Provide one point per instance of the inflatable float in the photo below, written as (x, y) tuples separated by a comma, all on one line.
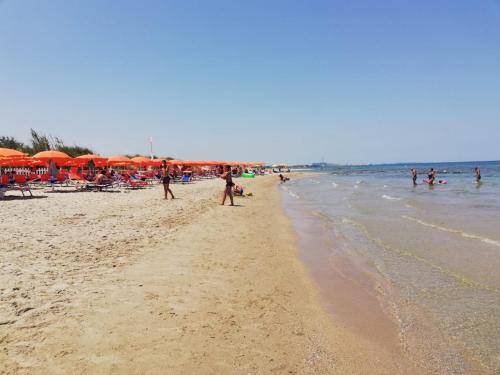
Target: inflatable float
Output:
[(439, 182), (248, 175)]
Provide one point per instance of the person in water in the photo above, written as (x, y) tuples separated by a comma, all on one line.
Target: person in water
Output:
[(431, 176), (228, 191), (165, 178), (477, 171), (414, 176)]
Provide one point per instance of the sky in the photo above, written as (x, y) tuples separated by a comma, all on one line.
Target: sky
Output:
[(263, 80)]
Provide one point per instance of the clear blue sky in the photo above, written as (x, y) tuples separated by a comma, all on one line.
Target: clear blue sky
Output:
[(350, 81)]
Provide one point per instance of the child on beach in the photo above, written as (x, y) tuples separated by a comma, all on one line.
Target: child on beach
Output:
[(238, 190), (228, 191)]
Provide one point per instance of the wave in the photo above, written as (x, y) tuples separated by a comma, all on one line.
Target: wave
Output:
[(334, 184), (406, 253), (388, 197), (455, 231)]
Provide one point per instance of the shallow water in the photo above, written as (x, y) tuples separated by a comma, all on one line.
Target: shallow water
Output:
[(436, 250)]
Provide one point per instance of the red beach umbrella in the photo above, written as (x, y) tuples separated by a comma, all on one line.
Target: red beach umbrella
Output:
[(175, 162), (19, 162)]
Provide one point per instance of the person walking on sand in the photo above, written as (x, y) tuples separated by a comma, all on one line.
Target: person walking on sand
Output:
[(414, 176), (477, 171), (228, 191), (165, 174)]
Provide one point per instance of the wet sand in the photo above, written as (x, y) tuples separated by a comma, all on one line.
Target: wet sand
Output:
[(130, 283), (350, 288)]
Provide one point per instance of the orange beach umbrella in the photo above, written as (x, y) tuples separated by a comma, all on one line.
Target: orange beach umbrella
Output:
[(55, 156), (120, 160), (95, 158), (141, 160), (98, 160), (11, 153)]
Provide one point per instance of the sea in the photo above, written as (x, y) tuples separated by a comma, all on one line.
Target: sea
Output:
[(422, 259)]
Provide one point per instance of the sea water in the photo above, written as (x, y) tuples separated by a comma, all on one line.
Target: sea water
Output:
[(435, 248)]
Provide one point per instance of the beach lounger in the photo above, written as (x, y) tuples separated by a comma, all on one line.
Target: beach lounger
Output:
[(91, 186), (20, 184)]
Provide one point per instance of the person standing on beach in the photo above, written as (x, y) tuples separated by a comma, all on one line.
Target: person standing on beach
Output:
[(228, 191), (414, 176), (165, 174), (477, 171)]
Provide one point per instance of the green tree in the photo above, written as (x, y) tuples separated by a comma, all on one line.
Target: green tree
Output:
[(11, 142), (39, 142)]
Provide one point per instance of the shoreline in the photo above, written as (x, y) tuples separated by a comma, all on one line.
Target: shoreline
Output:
[(350, 290)]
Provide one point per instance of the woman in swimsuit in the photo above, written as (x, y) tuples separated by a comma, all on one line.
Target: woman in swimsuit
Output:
[(478, 174), (431, 176), (229, 185), (165, 173)]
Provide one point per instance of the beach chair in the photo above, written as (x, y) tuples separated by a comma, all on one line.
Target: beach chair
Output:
[(3, 186), (186, 179), (21, 183), (34, 177), (129, 182), (45, 178)]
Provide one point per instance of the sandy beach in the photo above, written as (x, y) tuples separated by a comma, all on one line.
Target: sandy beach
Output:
[(126, 282)]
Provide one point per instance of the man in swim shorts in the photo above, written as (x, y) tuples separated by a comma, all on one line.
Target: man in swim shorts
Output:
[(414, 176), (165, 174), (228, 191)]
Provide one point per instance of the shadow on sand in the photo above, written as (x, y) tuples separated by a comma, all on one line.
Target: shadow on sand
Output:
[(20, 197)]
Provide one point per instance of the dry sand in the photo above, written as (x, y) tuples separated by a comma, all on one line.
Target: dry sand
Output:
[(129, 283)]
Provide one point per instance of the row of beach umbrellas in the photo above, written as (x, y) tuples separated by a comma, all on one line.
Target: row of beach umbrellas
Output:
[(14, 158)]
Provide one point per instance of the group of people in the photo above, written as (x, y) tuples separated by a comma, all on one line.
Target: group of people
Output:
[(431, 176), (225, 173)]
